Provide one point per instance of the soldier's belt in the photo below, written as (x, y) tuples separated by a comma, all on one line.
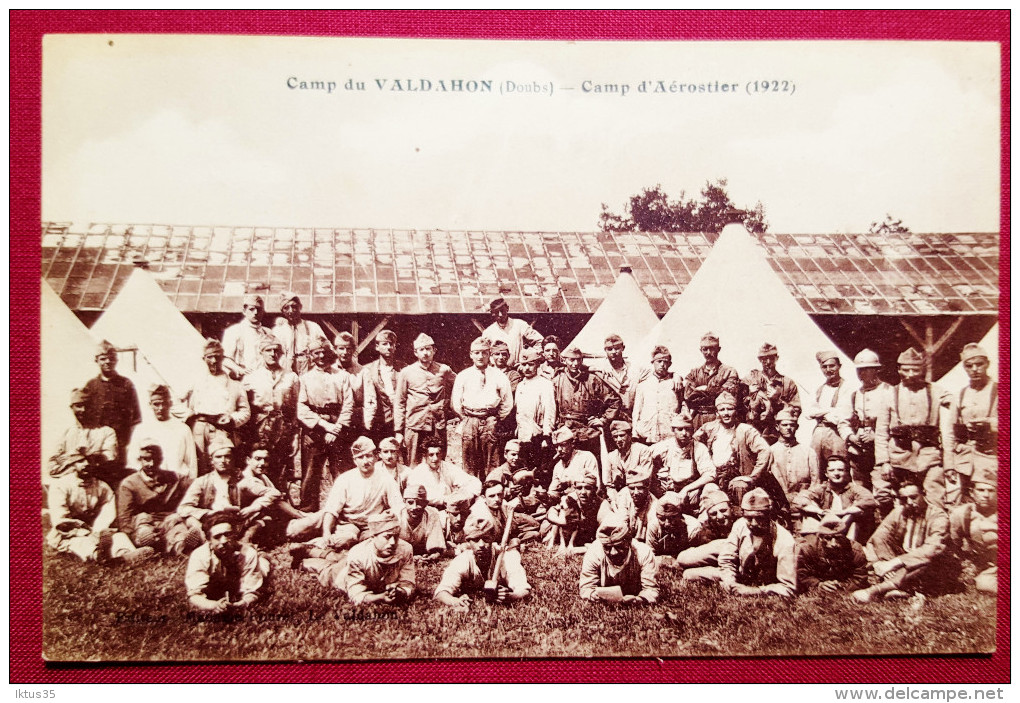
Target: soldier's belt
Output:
[(481, 414), (983, 439), (205, 417), (924, 435)]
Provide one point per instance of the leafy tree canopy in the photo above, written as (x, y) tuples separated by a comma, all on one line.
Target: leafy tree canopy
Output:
[(888, 226), (651, 210)]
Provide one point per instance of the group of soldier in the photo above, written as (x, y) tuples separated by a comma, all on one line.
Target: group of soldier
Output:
[(635, 465)]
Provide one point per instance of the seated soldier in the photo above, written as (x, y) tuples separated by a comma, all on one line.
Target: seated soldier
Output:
[(512, 461), (618, 568), (389, 461), (671, 531), (285, 521), (571, 464), (379, 569), (225, 574), (147, 503), (708, 537), (683, 465), (97, 444), (629, 456), (224, 486), (492, 505), (484, 565), (636, 503), (439, 477), (849, 501), (794, 465), (531, 496), (906, 548), (82, 511), (974, 528), (758, 557), (420, 525), (574, 518), (458, 505), (829, 561)]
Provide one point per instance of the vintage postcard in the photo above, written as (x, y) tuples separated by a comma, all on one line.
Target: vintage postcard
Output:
[(380, 349)]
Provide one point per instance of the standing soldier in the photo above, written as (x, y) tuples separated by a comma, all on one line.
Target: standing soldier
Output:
[(173, 436), (274, 398), (423, 401), (977, 417), (517, 333), (768, 392), (658, 399), (793, 464), (112, 402), (831, 410), (918, 438), (295, 335), (617, 372), (499, 357), (241, 341), (482, 397), (535, 400), (584, 402), (381, 386), (217, 406), (704, 383), (873, 400), (325, 408), (347, 365), (552, 363)]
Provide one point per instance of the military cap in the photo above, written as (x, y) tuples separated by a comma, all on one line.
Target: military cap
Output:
[(986, 474), (756, 501), (619, 425), (767, 350), (586, 480), (867, 359), (481, 344), (387, 336), (382, 522), (531, 355), (229, 515), (104, 347), (459, 500), (669, 504), (836, 457), (319, 343), (68, 462), (416, 491), (637, 477), (614, 528), (661, 352), (212, 346), (522, 476), (499, 345), (911, 356), (159, 389), (710, 338), (562, 435), (972, 351), (79, 395), (497, 304), (253, 299), (713, 498), (612, 339), (572, 353), (830, 525), (824, 356), (495, 476), (362, 445), (149, 443), (479, 527), (725, 398), (388, 443), (343, 339), (516, 443), (423, 340), (683, 419), (786, 415), (287, 296), (219, 445), (269, 342)]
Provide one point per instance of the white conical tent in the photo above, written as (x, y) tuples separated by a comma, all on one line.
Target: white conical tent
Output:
[(169, 347), (67, 361), (956, 377), (738, 296), (625, 311)]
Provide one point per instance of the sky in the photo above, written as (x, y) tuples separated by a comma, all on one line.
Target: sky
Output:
[(205, 131)]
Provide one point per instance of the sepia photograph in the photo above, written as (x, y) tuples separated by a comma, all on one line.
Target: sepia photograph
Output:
[(379, 349)]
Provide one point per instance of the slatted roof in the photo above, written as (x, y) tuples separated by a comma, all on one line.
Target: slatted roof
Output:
[(209, 269)]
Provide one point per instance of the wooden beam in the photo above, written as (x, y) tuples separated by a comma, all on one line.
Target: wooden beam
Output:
[(941, 342), (332, 330), (913, 333), (479, 325), (370, 337), (929, 343), (355, 330)]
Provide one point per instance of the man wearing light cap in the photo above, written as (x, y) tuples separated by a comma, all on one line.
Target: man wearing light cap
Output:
[(517, 334), (481, 397), (793, 464), (768, 392), (829, 561), (617, 567), (173, 436), (481, 564), (217, 406), (535, 403), (908, 547), (422, 406), (584, 402), (918, 438), (635, 502), (871, 402), (390, 462), (379, 569), (617, 372), (709, 536), (381, 386), (274, 393), (112, 402), (627, 457), (974, 529), (740, 455), (571, 464), (977, 417), (326, 411), (759, 555), (831, 409), (658, 398), (420, 524), (295, 334), (682, 465), (97, 444), (704, 383), (241, 341), (670, 532)]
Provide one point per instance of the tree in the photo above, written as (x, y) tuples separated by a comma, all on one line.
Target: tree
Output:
[(888, 226), (651, 210)]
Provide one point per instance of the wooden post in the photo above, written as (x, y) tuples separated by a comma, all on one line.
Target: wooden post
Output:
[(370, 337)]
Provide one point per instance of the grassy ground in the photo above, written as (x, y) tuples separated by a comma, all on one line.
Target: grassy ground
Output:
[(113, 613)]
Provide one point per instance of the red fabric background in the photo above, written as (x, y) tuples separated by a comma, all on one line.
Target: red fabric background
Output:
[(26, 33)]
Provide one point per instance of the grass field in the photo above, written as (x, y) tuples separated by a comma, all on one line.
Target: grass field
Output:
[(95, 613)]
